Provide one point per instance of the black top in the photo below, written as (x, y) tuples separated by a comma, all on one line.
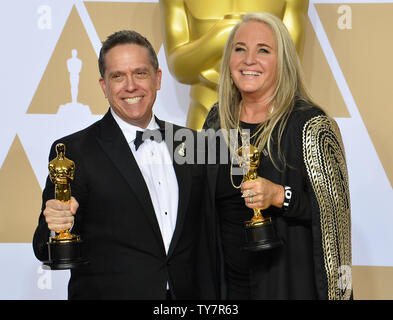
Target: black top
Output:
[(232, 214)]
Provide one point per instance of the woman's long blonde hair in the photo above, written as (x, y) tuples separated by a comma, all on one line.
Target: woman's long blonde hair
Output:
[(289, 85)]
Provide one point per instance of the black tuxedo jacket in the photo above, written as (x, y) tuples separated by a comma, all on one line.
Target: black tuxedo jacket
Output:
[(118, 225)]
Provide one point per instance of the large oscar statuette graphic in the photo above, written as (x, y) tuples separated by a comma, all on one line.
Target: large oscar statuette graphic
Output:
[(260, 231), (64, 248), (195, 36)]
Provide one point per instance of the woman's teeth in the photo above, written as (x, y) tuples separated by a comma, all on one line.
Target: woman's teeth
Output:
[(250, 73)]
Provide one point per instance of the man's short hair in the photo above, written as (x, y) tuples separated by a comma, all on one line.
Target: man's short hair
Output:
[(125, 37)]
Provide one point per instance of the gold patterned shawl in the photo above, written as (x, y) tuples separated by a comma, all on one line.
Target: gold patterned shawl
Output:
[(324, 158)]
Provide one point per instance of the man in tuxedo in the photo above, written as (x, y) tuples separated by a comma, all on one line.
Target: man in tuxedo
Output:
[(137, 210)]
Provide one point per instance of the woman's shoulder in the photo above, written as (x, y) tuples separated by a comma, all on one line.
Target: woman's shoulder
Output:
[(305, 110), (302, 113), (307, 117), (212, 119)]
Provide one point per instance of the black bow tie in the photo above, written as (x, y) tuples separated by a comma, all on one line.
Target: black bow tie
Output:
[(156, 135)]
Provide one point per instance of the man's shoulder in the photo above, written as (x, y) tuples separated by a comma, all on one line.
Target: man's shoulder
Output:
[(78, 139), (176, 128), (80, 135)]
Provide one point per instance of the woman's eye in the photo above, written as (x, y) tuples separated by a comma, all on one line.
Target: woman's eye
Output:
[(237, 49)]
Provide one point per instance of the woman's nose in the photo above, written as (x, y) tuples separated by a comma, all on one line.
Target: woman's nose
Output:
[(249, 58)]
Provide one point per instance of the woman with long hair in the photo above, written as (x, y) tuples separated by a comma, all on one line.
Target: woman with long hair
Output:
[(302, 182)]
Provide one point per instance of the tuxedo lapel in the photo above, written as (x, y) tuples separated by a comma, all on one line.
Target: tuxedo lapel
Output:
[(184, 180), (117, 149)]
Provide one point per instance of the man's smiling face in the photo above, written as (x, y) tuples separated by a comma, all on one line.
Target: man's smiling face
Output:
[(130, 83)]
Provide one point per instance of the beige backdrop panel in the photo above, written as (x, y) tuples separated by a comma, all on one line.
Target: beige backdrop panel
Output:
[(319, 78), (128, 16), (20, 196), (54, 88), (365, 56), (372, 283)]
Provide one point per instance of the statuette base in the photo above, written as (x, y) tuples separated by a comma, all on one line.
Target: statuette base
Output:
[(261, 236), (65, 254)]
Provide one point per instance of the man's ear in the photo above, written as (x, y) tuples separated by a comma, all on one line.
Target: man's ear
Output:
[(103, 86), (159, 76)]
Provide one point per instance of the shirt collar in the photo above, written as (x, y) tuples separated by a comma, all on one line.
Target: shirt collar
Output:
[(129, 130)]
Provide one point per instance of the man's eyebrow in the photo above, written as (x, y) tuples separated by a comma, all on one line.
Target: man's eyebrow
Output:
[(115, 71), (145, 69), (138, 69)]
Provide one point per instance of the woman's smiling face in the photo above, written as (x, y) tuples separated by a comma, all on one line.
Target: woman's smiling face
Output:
[(253, 61)]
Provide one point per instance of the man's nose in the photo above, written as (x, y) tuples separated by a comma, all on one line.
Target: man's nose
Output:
[(130, 83)]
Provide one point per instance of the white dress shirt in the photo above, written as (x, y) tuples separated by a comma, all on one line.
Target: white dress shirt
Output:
[(156, 165)]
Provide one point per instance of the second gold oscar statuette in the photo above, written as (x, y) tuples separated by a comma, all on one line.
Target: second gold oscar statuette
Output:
[(260, 231)]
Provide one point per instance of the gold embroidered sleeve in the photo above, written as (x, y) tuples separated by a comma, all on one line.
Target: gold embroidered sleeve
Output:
[(324, 158)]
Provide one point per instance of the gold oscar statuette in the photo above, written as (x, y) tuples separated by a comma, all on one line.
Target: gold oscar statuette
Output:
[(64, 248), (260, 230)]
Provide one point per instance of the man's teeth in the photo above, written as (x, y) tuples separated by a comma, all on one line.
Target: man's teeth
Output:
[(133, 100), (250, 73)]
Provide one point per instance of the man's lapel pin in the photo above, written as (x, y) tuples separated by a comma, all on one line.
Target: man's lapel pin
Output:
[(182, 150)]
